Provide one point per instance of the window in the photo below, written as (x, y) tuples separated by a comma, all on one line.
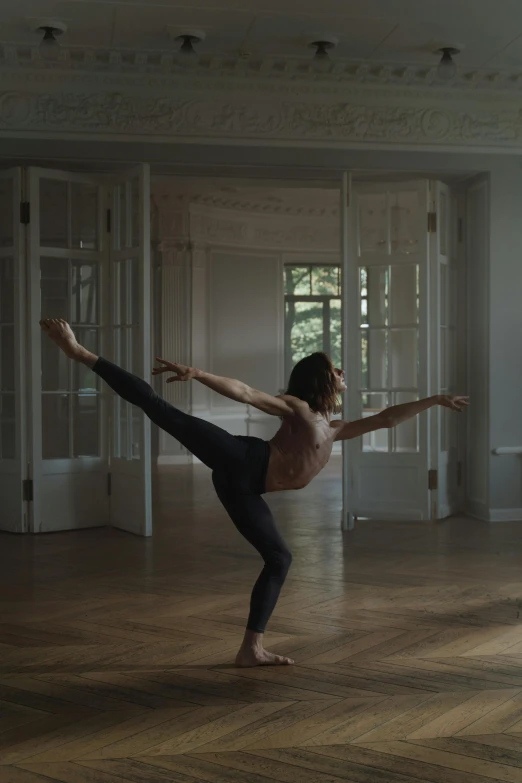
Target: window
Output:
[(389, 349), (312, 312)]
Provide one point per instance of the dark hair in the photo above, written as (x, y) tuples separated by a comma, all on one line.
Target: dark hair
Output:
[(313, 380)]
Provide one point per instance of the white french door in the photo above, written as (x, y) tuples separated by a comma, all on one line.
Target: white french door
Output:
[(13, 461), (130, 334), (387, 319), (69, 453), (443, 295)]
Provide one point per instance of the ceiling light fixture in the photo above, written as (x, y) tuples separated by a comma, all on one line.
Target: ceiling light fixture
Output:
[(447, 68), (321, 60), (49, 47), (186, 51)]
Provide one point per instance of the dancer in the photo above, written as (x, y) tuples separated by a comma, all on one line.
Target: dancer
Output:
[(244, 468)]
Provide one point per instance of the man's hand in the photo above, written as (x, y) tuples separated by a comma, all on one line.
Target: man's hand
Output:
[(453, 403), (183, 373)]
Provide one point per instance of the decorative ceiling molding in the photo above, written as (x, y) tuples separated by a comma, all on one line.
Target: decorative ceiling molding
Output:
[(53, 104), (77, 60), (185, 223), (218, 228), (173, 198)]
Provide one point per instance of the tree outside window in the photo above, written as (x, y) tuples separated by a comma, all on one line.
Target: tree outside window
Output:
[(312, 312)]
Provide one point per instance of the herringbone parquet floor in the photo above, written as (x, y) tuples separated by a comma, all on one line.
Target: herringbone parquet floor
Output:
[(115, 652)]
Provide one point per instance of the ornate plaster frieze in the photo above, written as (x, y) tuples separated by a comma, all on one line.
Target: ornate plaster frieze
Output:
[(218, 228), (80, 105)]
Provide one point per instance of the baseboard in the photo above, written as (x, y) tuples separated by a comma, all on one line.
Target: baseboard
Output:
[(478, 510), (505, 515)]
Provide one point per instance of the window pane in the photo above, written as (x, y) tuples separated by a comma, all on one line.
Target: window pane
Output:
[(373, 222), (377, 295), (136, 433), (377, 359), (7, 293), (83, 378), (406, 435), (336, 333), (444, 295), (55, 366), (55, 426), (297, 280), (325, 280), (364, 359), (84, 300), (54, 285), (404, 295), (135, 212), (443, 217), (86, 425), (124, 419), (134, 291), (304, 320), (6, 212), (7, 358), (404, 358), (404, 222), (84, 216), (371, 404), (53, 213), (7, 426), (122, 232)]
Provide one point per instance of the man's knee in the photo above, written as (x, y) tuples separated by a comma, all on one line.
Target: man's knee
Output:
[(279, 563)]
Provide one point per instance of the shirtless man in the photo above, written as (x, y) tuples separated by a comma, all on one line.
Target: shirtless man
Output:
[(244, 468)]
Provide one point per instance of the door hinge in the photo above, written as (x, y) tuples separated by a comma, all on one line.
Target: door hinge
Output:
[(25, 212), (460, 230), (432, 222), (109, 221), (27, 490), (109, 484), (459, 474), (433, 480)]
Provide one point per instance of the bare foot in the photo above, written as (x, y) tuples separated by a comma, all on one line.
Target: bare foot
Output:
[(61, 333), (258, 656)]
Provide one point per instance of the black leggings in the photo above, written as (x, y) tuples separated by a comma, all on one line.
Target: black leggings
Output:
[(238, 467)]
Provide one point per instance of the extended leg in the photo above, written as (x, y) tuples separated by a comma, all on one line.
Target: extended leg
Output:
[(254, 520), (215, 447)]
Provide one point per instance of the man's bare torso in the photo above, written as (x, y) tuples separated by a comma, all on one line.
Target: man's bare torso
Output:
[(300, 449)]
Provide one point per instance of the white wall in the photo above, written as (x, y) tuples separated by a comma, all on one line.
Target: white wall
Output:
[(478, 449), (245, 332), (505, 339)]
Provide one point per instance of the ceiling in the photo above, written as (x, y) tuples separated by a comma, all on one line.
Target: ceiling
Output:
[(400, 32)]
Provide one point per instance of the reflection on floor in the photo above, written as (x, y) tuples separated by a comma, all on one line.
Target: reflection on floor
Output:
[(115, 651)]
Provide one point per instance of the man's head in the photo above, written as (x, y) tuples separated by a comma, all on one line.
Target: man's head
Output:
[(316, 381)]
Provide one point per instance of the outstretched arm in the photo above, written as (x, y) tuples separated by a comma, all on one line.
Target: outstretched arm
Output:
[(396, 414), (228, 387)]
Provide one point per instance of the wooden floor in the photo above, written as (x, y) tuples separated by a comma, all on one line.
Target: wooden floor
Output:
[(115, 652)]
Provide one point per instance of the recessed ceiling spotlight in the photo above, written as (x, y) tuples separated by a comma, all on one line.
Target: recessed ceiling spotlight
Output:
[(49, 47), (447, 68), (321, 60)]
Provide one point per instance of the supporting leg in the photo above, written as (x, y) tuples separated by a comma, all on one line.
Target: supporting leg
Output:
[(254, 520)]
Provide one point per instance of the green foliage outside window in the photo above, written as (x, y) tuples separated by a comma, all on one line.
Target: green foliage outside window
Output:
[(313, 325)]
